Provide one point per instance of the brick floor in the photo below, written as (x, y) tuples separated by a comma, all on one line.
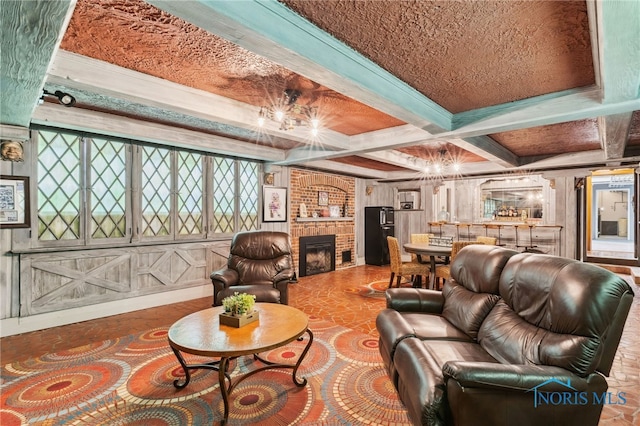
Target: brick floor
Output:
[(333, 296)]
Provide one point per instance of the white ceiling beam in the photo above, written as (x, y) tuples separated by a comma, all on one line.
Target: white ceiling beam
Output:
[(560, 107), (543, 110), (79, 72), (618, 35), (400, 159), (614, 130), (488, 148), (122, 127), (347, 169)]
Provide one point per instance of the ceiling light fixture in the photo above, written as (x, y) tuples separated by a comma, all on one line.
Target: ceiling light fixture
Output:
[(290, 114), (444, 164), (64, 98)]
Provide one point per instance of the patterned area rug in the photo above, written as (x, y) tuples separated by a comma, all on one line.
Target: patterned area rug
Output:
[(129, 381), (375, 289)]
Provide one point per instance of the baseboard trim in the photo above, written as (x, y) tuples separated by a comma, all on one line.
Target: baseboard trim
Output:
[(13, 326)]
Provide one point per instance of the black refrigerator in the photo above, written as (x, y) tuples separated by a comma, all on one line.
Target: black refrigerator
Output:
[(378, 225)]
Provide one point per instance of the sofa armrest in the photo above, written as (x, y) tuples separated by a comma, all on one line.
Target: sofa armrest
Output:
[(286, 275), (486, 393), (415, 300), (523, 378), (225, 277)]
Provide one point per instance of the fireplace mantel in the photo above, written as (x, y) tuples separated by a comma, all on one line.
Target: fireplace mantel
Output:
[(323, 219)]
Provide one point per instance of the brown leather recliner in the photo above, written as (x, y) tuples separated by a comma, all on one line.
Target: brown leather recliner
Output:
[(513, 339), (259, 263)]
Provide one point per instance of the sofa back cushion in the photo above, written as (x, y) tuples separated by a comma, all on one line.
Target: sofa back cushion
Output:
[(472, 292), (556, 311), (478, 267), (260, 256)]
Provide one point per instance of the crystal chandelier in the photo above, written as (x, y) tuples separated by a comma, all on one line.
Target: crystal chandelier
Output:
[(289, 114), (443, 164)]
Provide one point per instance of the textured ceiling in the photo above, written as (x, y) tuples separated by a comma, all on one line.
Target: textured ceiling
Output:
[(575, 136), (138, 36), (457, 64), (476, 56)]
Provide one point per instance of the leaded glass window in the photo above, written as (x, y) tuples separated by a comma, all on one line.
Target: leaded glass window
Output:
[(92, 189), (248, 197), (224, 192), (190, 193), (156, 192), (59, 186), (108, 189)]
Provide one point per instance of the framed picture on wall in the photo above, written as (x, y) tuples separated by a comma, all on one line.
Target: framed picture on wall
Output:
[(274, 202), (323, 198), (14, 202)]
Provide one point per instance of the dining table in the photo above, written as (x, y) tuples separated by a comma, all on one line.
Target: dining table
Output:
[(422, 250)]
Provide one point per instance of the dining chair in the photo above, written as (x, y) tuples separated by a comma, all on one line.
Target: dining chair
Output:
[(419, 238), (490, 241), (400, 268), (443, 272)]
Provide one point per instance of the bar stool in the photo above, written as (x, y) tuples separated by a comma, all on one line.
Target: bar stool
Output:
[(439, 224), (530, 248), (468, 225), (488, 226)]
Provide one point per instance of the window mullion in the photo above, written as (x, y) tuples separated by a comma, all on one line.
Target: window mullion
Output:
[(174, 195), (136, 195), (208, 196), (85, 189)]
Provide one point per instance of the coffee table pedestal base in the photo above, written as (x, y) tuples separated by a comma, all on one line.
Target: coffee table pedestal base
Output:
[(224, 376)]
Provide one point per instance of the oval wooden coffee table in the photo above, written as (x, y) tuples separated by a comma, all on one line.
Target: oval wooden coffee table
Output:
[(202, 334)]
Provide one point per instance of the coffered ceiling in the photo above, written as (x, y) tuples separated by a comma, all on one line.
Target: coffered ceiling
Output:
[(499, 85)]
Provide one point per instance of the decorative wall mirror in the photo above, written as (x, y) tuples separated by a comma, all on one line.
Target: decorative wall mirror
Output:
[(512, 200)]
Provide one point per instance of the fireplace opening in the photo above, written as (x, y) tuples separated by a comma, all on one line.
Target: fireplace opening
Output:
[(317, 254)]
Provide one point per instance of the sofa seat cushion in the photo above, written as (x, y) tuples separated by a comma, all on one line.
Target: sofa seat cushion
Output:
[(430, 327), (420, 381), (394, 326)]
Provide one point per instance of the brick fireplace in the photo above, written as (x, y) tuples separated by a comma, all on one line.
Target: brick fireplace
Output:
[(304, 188), (317, 255)]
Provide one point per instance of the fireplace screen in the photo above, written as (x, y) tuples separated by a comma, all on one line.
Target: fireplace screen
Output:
[(317, 254)]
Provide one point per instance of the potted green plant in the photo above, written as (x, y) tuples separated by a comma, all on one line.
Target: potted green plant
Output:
[(238, 309), (239, 303)]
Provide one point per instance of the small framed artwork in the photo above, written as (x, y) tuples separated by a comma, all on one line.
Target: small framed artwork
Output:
[(14, 202), (323, 198), (334, 211), (275, 204)]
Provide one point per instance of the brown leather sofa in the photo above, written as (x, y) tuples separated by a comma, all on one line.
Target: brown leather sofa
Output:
[(513, 339), (259, 263)]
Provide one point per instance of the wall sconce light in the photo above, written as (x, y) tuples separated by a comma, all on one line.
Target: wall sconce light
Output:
[(368, 190), (63, 97)]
